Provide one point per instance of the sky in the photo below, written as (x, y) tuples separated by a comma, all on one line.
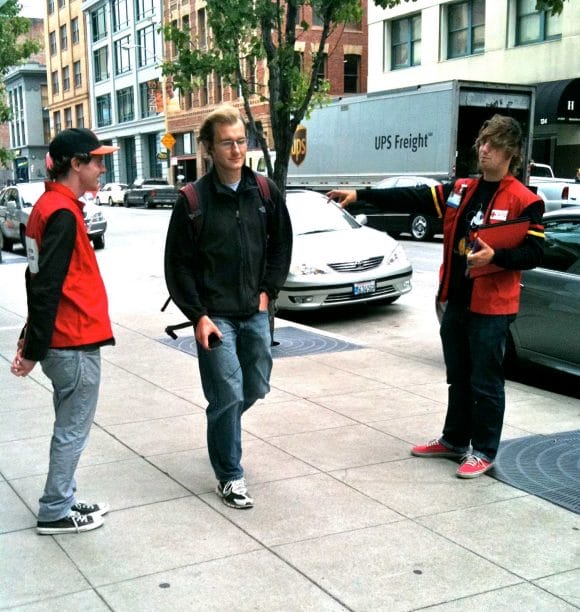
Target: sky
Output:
[(32, 8)]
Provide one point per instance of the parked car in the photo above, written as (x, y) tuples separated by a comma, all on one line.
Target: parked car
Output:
[(420, 226), (547, 327), (555, 192), (150, 193), (111, 194), (16, 202), (336, 260)]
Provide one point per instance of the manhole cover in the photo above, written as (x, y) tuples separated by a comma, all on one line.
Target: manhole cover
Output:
[(292, 342), (545, 465)]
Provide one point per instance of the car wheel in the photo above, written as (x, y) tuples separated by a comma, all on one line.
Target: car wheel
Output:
[(126, 202), (23, 237), (98, 201), (8, 243), (99, 242), (420, 227), (149, 202), (111, 203)]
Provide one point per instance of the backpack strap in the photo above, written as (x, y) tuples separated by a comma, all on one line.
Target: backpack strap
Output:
[(191, 194), (263, 186)]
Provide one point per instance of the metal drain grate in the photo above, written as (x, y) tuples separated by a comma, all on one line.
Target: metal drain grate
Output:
[(547, 466), (292, 342)]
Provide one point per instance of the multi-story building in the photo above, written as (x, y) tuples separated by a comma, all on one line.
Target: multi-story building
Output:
[(503, 41), (345, 66), (28, 130), (124, 52), (66, 65)]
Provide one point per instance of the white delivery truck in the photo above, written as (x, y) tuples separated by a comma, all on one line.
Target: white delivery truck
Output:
[(427, 130)]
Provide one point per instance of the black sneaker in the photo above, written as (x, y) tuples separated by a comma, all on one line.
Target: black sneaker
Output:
[(84, 508), (73, 523), (235, 494)]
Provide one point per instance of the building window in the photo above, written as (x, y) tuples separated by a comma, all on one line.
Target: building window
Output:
[(74, 28), (46, 130), (120, 15), (323, 69), (317, 20), (151, 98), (351, 73), (61, 4), (204, 93), (63, 38), (103, 110), (535, 26), (99, 23), (218, 94), (122, 55), (125, 106), (50, 6), (66, 78), (52, 43), (55, 83), (405, 42), (100, 64), (56, 122), (78, 75), (147, 53), (144, 8), (466, 28), (202, 28), (68, 118), (80, 115)]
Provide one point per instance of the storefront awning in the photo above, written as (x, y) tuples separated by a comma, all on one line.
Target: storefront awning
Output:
[(558, 102)]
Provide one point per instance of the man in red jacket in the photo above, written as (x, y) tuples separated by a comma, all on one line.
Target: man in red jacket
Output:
[(67, 321), (481, 299)]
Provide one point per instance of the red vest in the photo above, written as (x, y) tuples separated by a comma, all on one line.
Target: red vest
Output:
[(82, 317), (498, 293)]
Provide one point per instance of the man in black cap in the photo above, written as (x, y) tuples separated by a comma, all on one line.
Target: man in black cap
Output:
[(67, 321)]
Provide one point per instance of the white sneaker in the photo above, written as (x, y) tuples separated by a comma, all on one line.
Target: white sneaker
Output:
[(235, 494)]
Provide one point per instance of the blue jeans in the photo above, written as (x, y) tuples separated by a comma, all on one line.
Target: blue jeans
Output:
[(75, 377), (474, 348), (234, 376)]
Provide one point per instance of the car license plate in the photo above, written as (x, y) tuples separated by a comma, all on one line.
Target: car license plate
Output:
[(365, 287)]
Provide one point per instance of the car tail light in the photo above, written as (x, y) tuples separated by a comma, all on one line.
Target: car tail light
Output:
[(153, 193), (565, 193)]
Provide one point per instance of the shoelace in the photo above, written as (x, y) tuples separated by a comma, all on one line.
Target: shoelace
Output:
[(473, 461), (239, 486), (86, 507), (78, 518)]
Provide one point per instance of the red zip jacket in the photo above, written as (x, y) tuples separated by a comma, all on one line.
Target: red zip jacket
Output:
[(81, 318), (497, 293)]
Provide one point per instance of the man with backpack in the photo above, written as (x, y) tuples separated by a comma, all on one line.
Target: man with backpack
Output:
[(227, 254)]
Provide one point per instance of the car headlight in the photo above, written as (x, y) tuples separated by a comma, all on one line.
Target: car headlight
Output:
[(96, 217), (305, 269), (397, 256)]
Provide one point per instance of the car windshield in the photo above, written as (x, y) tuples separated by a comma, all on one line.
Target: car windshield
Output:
[(312, 213), (30, 192)]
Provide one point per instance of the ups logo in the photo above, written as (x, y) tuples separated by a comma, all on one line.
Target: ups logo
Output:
[(298, 152)]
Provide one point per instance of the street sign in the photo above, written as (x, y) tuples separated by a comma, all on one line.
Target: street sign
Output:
[(168, 141)]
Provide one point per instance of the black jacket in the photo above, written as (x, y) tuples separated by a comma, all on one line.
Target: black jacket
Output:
[(243, 247)]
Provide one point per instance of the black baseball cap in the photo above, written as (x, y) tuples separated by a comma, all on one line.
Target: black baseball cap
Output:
[(77, 141)]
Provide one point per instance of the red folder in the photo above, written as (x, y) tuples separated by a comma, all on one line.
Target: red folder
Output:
[(506, 235)]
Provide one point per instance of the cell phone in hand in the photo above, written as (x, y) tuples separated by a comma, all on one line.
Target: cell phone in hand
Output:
[(214, 341)]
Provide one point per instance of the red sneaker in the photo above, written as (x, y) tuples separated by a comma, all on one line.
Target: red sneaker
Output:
[(435, 449), (473, 466)]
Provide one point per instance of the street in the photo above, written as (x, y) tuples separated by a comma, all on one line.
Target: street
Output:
[(132, 266)]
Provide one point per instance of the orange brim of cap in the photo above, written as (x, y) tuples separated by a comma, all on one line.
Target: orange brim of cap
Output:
[(104, 150)]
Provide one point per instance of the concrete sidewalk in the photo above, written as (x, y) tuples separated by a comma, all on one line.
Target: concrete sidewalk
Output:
[(345, 518)]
